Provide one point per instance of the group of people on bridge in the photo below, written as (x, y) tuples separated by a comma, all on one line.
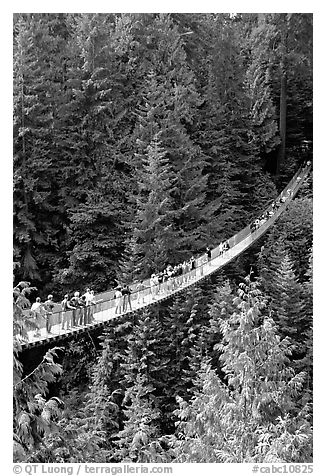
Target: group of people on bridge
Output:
[(276, 204), (78, 310), (165, 281), (81, 307)]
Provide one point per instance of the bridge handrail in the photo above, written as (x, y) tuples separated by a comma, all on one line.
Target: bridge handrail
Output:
[(107, 299)]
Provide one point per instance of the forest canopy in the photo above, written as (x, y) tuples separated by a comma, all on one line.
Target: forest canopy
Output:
[(140, 140), (130, 127)]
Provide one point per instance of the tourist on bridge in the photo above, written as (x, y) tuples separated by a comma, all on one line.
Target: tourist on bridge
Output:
[(165, 281), (38, 312), (119, 300), (82, 311), (153, 283), (140, 288), (184, 270), (66, 312), (160, 281), (263, 219), (203, 261), (126, 293), (88, 301), (75, 313), (93, 303), (252, 227), (169, 272), (192, 267), (208, 255), (48, 307)]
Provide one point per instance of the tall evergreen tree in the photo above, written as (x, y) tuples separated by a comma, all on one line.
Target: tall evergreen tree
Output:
[(170, 103), (39, 52), (141, 427), (152, 236), (229, 422), (95, 204)]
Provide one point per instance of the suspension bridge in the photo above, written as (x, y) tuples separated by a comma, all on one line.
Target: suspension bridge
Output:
[(106, 308)]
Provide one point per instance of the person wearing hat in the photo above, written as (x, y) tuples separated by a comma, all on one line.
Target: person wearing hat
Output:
[(66, 314), (48, 307)]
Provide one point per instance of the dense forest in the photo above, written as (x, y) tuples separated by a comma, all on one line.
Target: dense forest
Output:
[(139, 140)]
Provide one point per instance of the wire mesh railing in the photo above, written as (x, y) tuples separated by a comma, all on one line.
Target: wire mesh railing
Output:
[(106, 306)]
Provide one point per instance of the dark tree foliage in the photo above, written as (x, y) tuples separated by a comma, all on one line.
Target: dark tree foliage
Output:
[(231, 420), (140, 139), (35, 415), (90, 93)]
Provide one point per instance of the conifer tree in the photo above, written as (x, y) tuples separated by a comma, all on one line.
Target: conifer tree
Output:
[(170, 102), (229, 421), (152, 236), (293, 233), (95, 231), (183, 344), (35, 417), (39, 51), (236, 186), (141, 426), (221, 308), (287, 303)]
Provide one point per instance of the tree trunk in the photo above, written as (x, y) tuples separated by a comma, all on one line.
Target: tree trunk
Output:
[(282, 124), (283, 98)]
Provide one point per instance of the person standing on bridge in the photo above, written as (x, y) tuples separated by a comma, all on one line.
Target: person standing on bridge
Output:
[(37, 313), (93, 303), (75, 313), (152, 283), (226, 246), (128, 297), (88, 300), (48, 307), (209, 255), (82, 311), (140, 288), (192, 267), (66, 312), (126, 293), (119, 300)]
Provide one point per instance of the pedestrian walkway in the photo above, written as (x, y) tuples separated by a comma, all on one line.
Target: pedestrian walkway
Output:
[(104, 311)]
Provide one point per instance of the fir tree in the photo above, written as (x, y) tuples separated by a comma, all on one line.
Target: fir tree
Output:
[(287, 302), (141, 426), (35, 417), (227, 422), (152, 236)]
